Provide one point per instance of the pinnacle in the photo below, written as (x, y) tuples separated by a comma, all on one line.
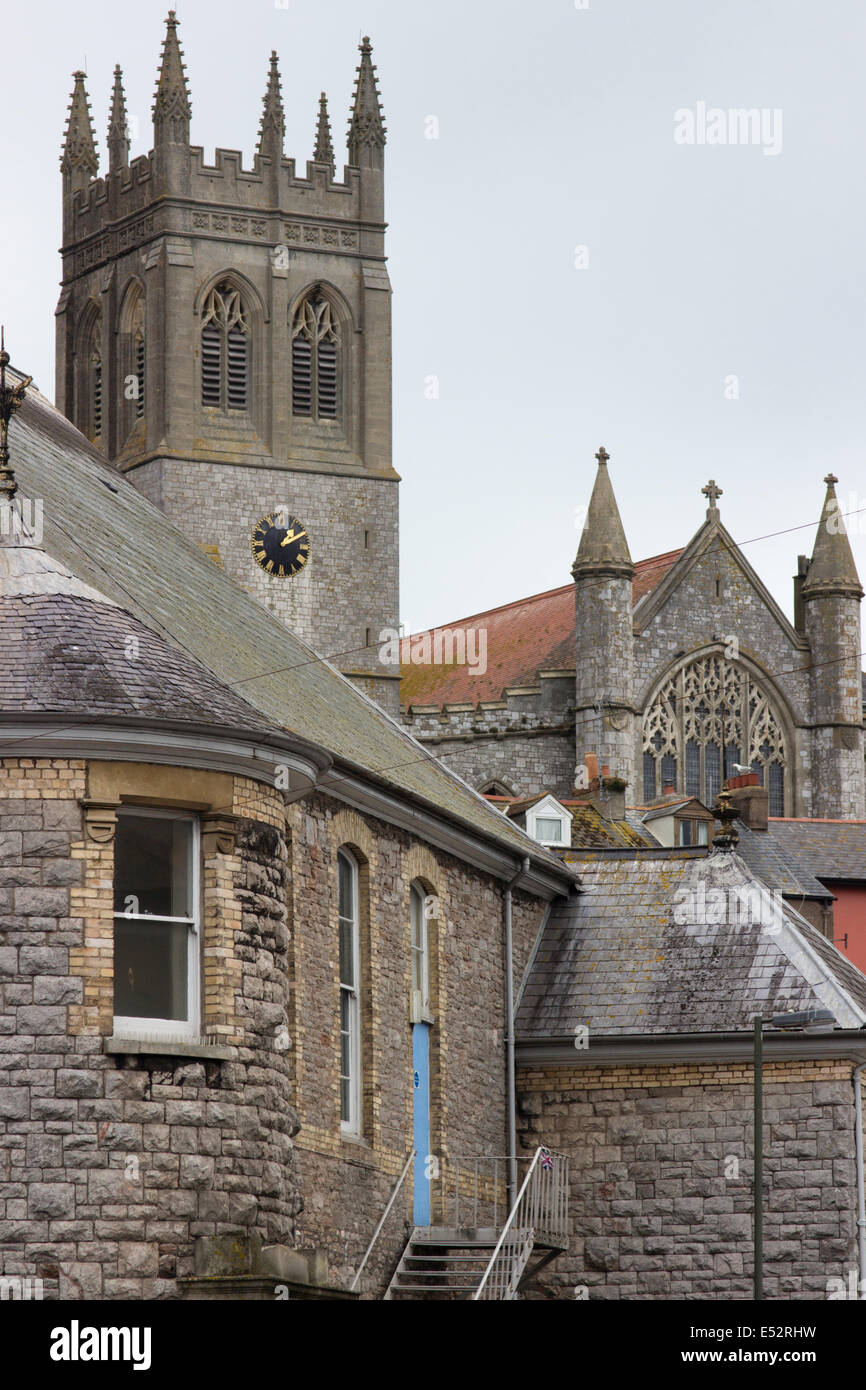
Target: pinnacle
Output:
[(832, 568), (603, 545), (118, 127), (272, 126), (79, 145), (366, 127), (171, 100), (324, 149)]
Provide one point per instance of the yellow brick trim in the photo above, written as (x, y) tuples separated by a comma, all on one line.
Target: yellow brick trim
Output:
[(696, 1074)]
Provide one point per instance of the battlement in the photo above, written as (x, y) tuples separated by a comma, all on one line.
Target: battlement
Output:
[(175, 168)]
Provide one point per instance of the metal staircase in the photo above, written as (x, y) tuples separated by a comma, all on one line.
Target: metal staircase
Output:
[(471, 1260)]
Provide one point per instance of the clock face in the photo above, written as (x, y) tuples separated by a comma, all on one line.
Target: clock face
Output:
[(280, 544)]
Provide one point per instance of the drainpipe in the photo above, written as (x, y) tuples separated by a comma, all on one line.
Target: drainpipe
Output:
[(510, 1079), (861, 1195)]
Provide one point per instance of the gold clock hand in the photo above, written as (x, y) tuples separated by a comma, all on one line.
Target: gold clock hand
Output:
[(292, 536)]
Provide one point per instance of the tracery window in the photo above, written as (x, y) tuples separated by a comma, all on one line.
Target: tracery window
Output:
[(710, 715), (315, 359), (225, 350)]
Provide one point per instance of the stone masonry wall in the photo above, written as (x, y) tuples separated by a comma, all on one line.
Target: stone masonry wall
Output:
[(111, 1166), (661, 1169), (347, 1180), (345, 596)]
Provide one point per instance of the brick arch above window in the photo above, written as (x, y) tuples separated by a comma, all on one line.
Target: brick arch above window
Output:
[(420, 864), (348, 829)]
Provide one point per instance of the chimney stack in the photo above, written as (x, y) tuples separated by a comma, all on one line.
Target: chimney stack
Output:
[(750, 800)]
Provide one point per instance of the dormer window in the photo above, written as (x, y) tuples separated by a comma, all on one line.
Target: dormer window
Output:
[(549, 823)]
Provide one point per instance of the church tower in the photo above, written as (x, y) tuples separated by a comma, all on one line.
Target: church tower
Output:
[(224, 337), (603, 574), (831, 595)]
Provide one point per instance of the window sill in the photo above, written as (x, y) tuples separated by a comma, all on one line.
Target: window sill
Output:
[(164, 1047), (356, 1140)]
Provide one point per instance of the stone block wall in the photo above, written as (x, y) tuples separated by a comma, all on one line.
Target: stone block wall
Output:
[(112, 1165), (347, 1180), (661, 1172), (346, 595)]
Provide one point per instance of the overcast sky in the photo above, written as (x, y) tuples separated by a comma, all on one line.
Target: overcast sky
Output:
[(568, 271)]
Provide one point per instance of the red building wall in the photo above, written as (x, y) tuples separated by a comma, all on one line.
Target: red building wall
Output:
[(849, 918)]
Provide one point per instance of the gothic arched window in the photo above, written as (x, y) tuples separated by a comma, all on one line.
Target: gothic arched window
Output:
[(92, 385), (225, 350), (131, 359), (708, 716), (316, 359)]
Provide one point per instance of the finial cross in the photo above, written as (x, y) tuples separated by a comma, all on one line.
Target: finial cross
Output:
[(602, 455), (712, 492)]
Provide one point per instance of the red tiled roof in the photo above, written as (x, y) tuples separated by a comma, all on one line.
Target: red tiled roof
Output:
[(534, 634)]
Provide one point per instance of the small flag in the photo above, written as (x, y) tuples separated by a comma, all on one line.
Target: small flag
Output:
[(546, 1159)]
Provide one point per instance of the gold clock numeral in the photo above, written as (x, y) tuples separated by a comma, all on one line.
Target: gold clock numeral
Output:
[(270, 566)]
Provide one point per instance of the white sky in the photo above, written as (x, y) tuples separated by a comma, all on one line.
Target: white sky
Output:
[(556, 130)]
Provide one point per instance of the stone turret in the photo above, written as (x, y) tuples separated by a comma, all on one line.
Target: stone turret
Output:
[(323, 152), (171, 115), (272, 128), (118, 127), (367, 132), (831, 594), (79, 161), (603, 574)]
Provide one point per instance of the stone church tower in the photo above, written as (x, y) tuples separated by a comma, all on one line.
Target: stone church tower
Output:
[(224, 337)]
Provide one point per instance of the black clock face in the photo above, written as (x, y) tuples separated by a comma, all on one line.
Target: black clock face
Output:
[(280, 544)]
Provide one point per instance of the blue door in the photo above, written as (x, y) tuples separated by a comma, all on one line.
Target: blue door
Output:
[(421, 1126)]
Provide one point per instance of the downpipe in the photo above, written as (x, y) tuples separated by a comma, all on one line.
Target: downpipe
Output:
[(510, 1076)]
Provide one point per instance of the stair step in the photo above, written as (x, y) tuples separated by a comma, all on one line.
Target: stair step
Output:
[(432, 1288), (450, 1259)]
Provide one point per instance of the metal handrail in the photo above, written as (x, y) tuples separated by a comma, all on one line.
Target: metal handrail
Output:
[(382, 1219), (540, 1212)]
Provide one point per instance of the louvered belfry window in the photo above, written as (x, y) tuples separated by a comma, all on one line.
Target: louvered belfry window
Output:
[(225, 350), (139, 372), (316, 359), (96, 395)]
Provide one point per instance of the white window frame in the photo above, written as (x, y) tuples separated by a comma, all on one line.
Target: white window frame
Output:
[(548, 808), (420, 997), (352, 1123), (171, 1028)]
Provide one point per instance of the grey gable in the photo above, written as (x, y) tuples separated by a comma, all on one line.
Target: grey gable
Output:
[(701, 543), (113, 539)]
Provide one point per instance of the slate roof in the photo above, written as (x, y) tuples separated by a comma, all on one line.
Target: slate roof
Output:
[(113, 539), (778, 865), (531, 635), (67, 654), (614, 957), (590, 829), (827, 849)]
